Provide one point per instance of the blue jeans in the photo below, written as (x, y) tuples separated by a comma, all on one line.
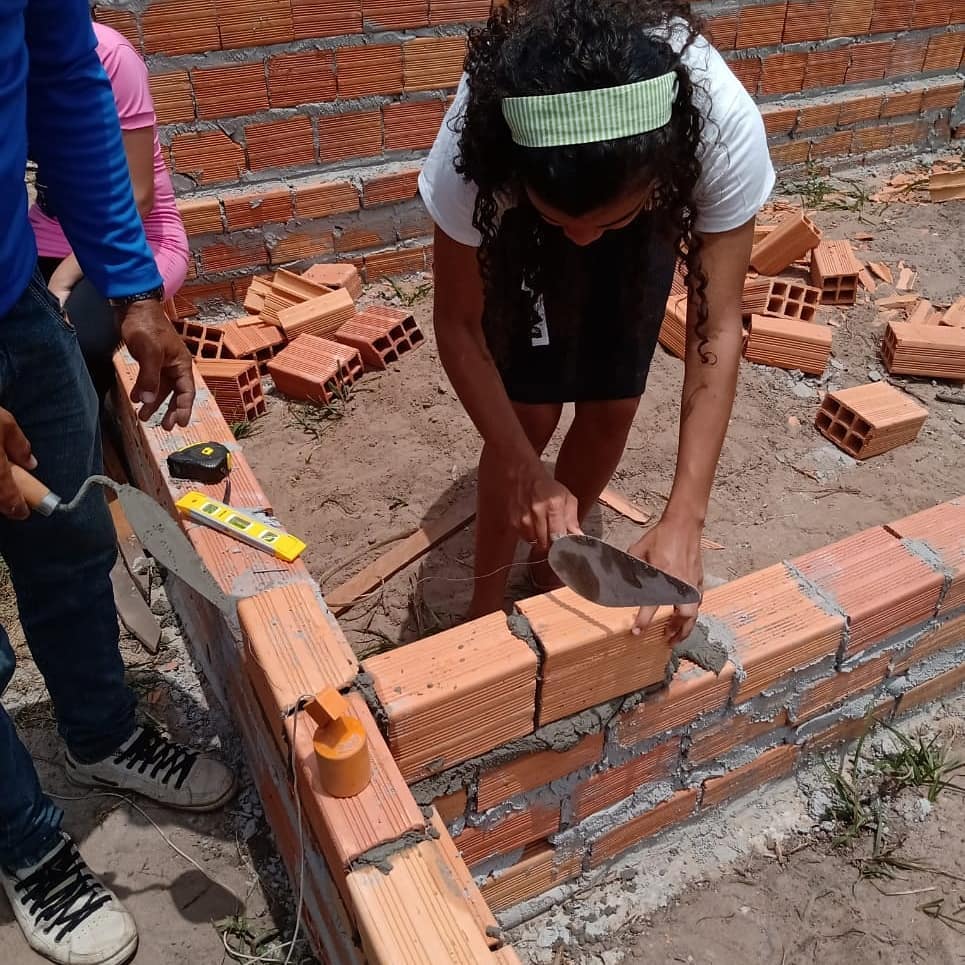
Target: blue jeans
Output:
[(60, 567)]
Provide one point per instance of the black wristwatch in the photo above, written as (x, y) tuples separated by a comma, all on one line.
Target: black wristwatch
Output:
[(125, 301)]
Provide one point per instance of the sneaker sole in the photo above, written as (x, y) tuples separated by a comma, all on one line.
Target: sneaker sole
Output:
[(193, 808), (121, 957)]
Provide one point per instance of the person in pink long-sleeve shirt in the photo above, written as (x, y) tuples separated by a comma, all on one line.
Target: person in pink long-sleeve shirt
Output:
[(89, 311)]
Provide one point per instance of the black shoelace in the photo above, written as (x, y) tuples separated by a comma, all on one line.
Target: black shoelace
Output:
[(167, 760), (62, 892)]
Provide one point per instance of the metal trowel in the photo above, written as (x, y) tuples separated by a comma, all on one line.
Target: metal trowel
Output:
[(159, 534), (605, 575)]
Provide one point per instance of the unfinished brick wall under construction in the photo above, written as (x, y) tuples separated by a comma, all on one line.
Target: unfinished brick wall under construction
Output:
[(514, 757), (295, 128)]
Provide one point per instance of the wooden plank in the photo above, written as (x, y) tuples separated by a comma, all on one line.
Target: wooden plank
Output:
[(406, 551), (620, 504)]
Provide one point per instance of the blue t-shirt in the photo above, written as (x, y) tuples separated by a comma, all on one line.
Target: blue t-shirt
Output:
[(56, 107)]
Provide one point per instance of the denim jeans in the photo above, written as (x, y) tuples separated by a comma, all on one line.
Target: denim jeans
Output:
[(60, 568)]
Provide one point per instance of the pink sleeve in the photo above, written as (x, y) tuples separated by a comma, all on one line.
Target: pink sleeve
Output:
[(129, 80)]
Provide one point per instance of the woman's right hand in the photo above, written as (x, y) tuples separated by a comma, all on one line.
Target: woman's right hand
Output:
[(541, 508)]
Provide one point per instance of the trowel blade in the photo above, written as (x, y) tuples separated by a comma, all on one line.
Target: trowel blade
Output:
[(161, 536), (603, 574)]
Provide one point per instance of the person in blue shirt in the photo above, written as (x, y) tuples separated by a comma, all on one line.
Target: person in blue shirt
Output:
[(56, 107)]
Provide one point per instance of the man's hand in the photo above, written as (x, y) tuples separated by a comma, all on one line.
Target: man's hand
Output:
[(164, 364), (15, 449), (673, 545)]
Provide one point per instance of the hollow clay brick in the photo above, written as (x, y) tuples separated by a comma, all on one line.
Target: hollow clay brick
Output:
[(529, 772), (347, 827), (787, 343), (409, 911), (180, 27), (336, 275), (317, 316), (942, 529), (292, 647), (848, 729), (692, 691), (255, 342), (398, 261), (432, 63), (791, 153), (775, 628), (227, 257), (834, 271), (395, 14), (589, 652), (236, 387), (202, 341), (768, 766), (900, 103), (254, 210), (207, 156), (326, 18), (455, 695), (780, 298), (850, 17), (306, 77), (451, 806), (761, 26), (253, 23), (826, 68), (826, 694), (539, 870), (412, 125), (931, 13), (171, 93), (955, 316), (861, 109), (748, 71), (325, 199), (368, 70), (930, 690), (806, 21), (712, 743), (616, 783), (876, 582), (779, 120), (907, 58), (867, 420), (230, 91), (200, 215), (280, 144), (314, 369), (868, 62), (819, 115), (390, 188), (458, 11), (675, 809), (514, 832), (353, 135), (891, 15), (301, 246), (299, 287), (783, 73), (934, 351), (936, 96), (398, 326), (949, 633), (721, 30), (792, 239)]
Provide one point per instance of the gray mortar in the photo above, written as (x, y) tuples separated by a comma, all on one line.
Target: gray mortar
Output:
[(719, 636), (378, 857), (709, 652), (825, 601), (522, 629), (937, 664), (366, 687), (929, 555), (644, 799), (852, 710), (559, 736)]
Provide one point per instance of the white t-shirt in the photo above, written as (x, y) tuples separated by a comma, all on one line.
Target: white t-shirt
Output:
[(736, 177)]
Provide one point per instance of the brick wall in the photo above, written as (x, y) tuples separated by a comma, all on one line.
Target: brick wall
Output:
[(554, 742), (295, 127), (511, 757)]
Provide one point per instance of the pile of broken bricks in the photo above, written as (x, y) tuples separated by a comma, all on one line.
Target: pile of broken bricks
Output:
[(306, 332), (794, 272)]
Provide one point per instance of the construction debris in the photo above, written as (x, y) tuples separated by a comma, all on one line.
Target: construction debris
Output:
[(932, 351), (949, 186)]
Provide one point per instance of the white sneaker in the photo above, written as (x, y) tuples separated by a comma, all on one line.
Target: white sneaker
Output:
[(161, 770), (66, 914)]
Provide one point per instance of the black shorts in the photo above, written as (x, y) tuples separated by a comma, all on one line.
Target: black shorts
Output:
[(591, 331)]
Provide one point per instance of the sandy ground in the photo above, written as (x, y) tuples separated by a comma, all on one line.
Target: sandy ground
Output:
[(402, 450)]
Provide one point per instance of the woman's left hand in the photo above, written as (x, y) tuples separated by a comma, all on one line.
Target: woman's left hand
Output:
[(673, 545)]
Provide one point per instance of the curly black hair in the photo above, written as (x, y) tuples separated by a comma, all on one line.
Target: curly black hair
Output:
[(531, 47)]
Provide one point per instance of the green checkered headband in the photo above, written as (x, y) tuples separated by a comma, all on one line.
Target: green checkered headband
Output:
[(588, 116)]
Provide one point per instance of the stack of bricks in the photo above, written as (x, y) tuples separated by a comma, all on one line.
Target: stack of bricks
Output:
[(544, 745), (295, 130), (867, 420), (931, 351)]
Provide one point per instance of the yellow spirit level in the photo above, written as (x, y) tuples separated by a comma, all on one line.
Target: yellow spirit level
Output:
[(228, 520)]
